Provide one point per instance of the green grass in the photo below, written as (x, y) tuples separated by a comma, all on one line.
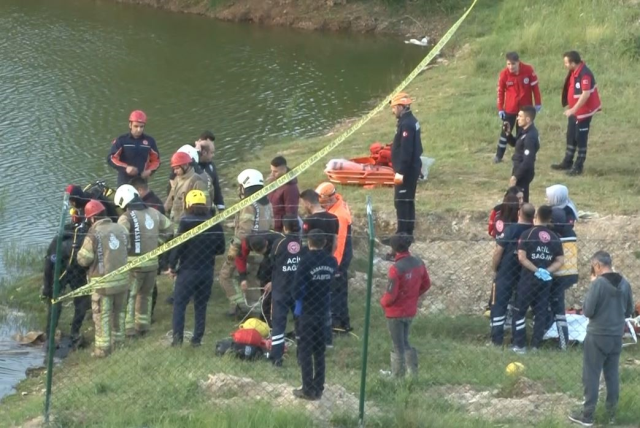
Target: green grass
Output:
[(148, 383), (456, 106)]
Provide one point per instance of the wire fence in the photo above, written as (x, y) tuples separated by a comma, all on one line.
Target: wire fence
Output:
[(272, 328)]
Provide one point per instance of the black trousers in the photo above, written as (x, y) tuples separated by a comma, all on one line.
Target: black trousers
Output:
[(191, 284), (280, 308), (577, 138), (557, 310), (311, 352), (80, 307), (502, 141), (340, 300), (531, 293), (524, 182), (405, 203), (504, 288)]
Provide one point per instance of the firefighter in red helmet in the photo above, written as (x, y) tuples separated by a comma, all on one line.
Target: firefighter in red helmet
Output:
[(134, 154)]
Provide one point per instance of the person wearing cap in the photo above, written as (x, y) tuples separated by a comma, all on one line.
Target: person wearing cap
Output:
[(408, 280), (254, 217), (103, 251), (405, 160), (134, 154), (206, 148), (147, 228), (332, 201)]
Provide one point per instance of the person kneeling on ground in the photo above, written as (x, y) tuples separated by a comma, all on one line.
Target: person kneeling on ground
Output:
[(408, 280), (316, 271), (192, 264)]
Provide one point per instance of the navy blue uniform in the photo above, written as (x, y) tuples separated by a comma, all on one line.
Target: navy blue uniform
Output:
[(527, 144), (72, 275), (285, 256), (141, 153), (405, 158), (326, 222), (542, 247), (313, 279), (194, 262), (506, 279)]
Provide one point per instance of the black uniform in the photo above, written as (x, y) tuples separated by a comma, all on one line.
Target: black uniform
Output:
[(218, 199), (324, 221), (194, 261), (312, 286), (506, 279), (405, 157), (542, 247), (527, 144), (72, 274), (285, 256), (562, 221)]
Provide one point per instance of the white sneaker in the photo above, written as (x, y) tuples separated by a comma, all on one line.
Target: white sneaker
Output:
[(518, 350)]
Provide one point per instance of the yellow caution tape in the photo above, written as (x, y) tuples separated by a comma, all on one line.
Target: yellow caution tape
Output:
[(95, 283)]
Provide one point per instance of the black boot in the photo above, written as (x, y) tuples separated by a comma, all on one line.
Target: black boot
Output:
[(576, 170), (562, 166)]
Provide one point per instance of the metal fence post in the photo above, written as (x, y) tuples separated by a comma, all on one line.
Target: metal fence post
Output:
[(367, 316), (55, 309)]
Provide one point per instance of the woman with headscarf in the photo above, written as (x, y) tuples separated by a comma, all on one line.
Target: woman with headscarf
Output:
[(564, 216)]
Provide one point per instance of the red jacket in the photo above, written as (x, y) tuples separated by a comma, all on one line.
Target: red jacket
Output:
[(579, 81), (408, 280), (515, 90), (284, 200)]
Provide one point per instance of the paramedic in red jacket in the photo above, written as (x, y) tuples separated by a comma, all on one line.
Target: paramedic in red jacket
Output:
[(134, 154), (517, 87), (408, 280), (580, 95)]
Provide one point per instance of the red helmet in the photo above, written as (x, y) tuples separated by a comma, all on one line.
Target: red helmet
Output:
[(180, 159), (93, 208), (138, 116)]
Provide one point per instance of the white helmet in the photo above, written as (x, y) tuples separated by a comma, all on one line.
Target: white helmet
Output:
[(191, 151), (124, 195), (250, 177)]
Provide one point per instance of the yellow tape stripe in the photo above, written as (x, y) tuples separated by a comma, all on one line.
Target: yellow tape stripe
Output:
[(87, 289)]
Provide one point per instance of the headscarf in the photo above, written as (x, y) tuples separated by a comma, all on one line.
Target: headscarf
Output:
[(558, 196)]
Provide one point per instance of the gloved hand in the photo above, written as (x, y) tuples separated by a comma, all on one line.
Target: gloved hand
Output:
[(298, 309), (502, 115), (398, 178), (543, 275), (538, 108), (506, 127)]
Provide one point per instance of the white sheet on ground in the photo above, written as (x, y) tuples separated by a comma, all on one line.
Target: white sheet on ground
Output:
[(578, 329)]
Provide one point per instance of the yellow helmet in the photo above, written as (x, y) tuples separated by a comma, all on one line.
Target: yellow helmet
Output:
[(195, 197), (257, 324)]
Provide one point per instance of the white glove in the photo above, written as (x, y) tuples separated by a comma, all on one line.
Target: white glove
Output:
[(398, 179)]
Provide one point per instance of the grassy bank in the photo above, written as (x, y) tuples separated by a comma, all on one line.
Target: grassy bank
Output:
[(456, 106), (148, 383)]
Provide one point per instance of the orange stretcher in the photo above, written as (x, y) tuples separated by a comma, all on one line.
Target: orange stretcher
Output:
[(371, 171)]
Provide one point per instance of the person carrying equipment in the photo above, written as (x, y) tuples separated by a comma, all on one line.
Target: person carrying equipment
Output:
[(146, 228), (257, 216), (507, 270), (284, 256), (191, 264), (408, 280), (405, 159), (73, 275), (333, 203), (540, 254), (103, 251), (185, 181), (134, 154), (312, 283), (517, 83)]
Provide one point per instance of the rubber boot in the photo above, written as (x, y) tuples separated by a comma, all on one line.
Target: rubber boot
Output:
[(398, 368), (411, 359)]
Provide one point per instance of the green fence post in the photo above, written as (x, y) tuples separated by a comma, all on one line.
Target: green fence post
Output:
[(367, 316), (51, 349)]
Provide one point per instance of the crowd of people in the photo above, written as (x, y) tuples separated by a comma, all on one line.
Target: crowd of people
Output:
[(291, 250)]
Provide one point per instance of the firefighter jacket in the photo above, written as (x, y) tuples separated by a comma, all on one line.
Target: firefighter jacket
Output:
[(147, 228), (174, 205), (245, 256), (103, 251), (257, 216), (515, 90), (141, 153), (407, 147), (408, 280), (578, 81)]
